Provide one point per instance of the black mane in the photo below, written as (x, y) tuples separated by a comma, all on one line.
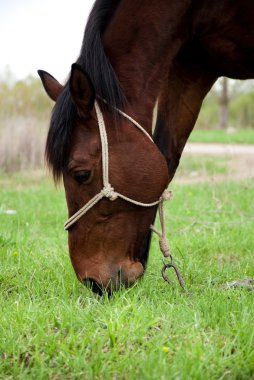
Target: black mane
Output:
[(94, 61), (92, 56)]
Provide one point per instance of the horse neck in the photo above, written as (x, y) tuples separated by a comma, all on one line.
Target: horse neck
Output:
[(140, 45)]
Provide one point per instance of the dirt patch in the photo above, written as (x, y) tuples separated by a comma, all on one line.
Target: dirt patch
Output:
[(219, 149), (239, 160)]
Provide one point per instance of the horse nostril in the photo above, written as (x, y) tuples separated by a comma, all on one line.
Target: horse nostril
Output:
[(93, 285)]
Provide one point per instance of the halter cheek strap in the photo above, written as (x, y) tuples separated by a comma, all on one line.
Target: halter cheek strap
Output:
[(109, 192)]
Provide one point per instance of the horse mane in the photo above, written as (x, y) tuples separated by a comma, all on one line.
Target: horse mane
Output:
[(93, 58), (94, 61)]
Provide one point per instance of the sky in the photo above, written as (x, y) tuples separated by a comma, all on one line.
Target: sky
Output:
[(41, 34)]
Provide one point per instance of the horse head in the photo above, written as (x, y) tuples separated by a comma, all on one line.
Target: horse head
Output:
[(109, 242)]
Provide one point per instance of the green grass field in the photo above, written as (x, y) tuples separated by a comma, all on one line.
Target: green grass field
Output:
[(51, 327), (238, 136)]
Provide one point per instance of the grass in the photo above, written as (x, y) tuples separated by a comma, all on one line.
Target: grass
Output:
[(51, 327), (195, 166), (236, 136)]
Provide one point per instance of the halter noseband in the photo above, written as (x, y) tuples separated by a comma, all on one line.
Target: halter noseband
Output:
[(109, 192)]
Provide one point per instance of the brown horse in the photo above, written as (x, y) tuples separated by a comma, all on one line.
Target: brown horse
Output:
[(135, 54)]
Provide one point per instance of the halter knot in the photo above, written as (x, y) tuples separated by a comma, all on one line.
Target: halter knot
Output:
[(166, 195), (164, 246), (109, 192)]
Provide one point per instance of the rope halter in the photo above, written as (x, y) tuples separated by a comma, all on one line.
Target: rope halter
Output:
[(109, 192)]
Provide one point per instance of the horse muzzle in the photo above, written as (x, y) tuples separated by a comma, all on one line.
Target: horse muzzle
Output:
[(123, 275)]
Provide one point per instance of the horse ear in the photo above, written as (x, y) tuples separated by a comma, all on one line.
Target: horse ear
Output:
[(81, 88), (52, 87)]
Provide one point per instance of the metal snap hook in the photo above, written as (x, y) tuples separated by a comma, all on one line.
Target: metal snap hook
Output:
[(166, 278)]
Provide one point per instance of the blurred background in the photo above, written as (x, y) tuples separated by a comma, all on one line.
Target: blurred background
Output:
[(34, 34), (48, 35)]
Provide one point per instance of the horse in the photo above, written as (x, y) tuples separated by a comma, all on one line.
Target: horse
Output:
[(139, 61)]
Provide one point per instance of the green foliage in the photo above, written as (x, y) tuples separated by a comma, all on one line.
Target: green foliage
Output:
[(51, 327), (24, 98), (241, 110)]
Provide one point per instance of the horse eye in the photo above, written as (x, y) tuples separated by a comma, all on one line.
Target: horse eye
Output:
[(82, 176)]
